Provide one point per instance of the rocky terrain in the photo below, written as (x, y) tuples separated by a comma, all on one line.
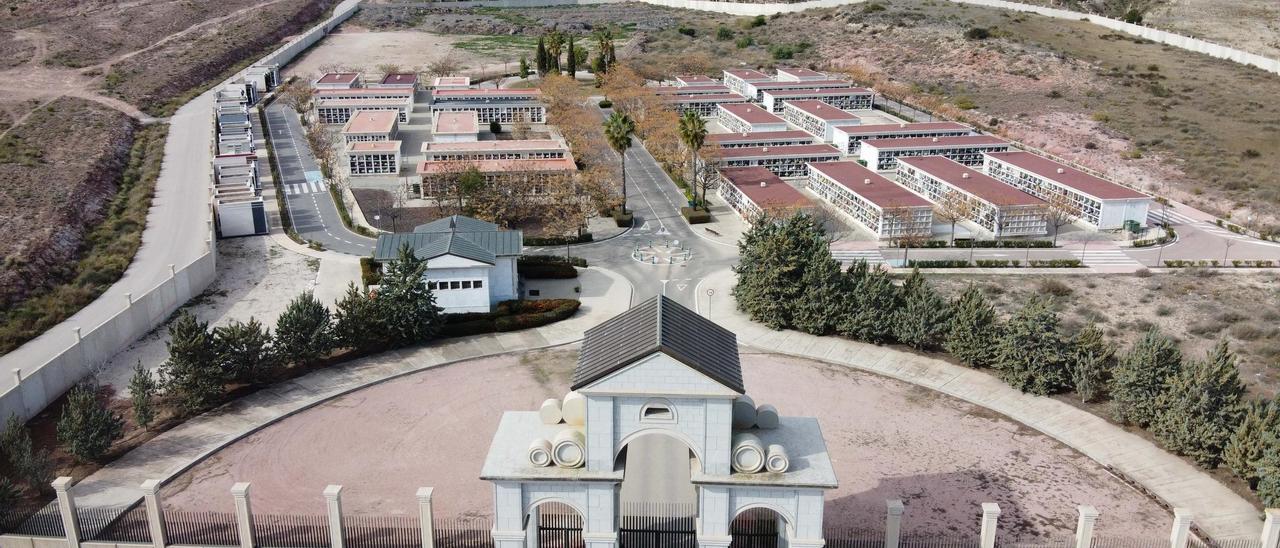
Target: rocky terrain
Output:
[(525, 22)]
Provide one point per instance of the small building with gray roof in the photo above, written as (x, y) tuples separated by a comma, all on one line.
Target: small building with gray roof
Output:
[(471, 264)]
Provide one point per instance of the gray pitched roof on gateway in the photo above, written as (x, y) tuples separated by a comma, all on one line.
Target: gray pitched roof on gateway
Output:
[(659, 325), (457, 235)]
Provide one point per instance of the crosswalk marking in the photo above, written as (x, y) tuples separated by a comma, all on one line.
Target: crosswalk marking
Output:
[(305, 188), (1104, 257), (845, 256), (1158, 216)]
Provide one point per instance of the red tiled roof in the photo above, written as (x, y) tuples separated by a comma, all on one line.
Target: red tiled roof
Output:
[(926, 142), (670, 90), (764, 188), (374, 146), (869, 184), (758, 136), (968, 180), (485, 92), (799, 72), (1068, 176), (329, 93), (455, 121), (748, 74), (751, 114), (338, 78), (400, 78), (701, 78), (894, 128), (371, 121), (682, 98)]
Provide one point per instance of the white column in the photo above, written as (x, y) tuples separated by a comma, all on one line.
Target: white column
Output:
[(1181, 528), (893, 523), (155, 515), (426, 517), (1084, 525), (990, 517), (508, 515), (67, 508), (1271, 529), (713, 517), (244, 514), (333, 501)]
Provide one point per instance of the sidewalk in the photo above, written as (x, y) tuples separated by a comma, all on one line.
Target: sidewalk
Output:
[(1217, 510), (604, 295)]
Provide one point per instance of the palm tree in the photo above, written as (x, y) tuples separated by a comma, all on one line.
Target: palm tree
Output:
[(555, 43), (618, 129), (693, 132)]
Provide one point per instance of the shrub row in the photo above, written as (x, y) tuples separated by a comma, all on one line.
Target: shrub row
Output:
[(623, 218), (1003, 243), (939, 263), (1238, 263), (995, 263), (509, 316), (549, 267), (554, 259), (557, 240)]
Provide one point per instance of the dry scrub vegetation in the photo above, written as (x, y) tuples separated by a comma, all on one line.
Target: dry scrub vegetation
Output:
[(1194, 306)]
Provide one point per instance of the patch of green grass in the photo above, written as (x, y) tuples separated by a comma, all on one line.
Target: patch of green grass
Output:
[(498, 44), (106, 252)]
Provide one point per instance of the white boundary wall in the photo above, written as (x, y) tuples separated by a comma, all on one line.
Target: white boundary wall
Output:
[(41, 384)]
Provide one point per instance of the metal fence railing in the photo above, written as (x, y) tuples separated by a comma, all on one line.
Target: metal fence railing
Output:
[(46, 522), (279, 531), (114, 524), (463, 533), (382, 531), (201, 528)]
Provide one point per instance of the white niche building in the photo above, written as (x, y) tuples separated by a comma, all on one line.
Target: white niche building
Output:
[(658, 369)]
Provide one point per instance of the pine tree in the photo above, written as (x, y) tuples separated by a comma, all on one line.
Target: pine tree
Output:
[(304, 332), (524, 67), (1091, 360), (356, 322), (819, 306), (245, 351), (972, 330), (771, 271), (87, 428), (191, 374), (1030, 354), (1244, 452), (540, 57), (405, 303), (142, 393), (921, 321), (35, 467), (572, 59), (1269, 470), (10, 496), (871, 299), (1202, 407), (1141, 375)]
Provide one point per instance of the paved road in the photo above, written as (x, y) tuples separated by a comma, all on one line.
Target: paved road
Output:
[(315, 217), (177, 227)]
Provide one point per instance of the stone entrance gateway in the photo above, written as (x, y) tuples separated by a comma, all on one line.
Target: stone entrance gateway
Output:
[(660, 368)]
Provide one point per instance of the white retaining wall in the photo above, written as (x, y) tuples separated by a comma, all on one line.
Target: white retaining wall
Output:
[(41, 384)]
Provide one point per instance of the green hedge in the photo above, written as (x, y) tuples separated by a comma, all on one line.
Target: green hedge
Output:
[(1055, 263), (998, 263), (928, 244), (370, 271), (622, 219), (695, 216), (605, 103), (554, 259), (1238, 263), (509, 316), (939, 263), (557, 240), (995, 263), (549, 267), (1003, 243)]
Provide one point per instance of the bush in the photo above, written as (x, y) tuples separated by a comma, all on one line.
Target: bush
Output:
[(687, 31), (744, 42), (695, 216), (605, 103), (757, 21), (977, 33), (724, 33), (558, 240), (998, 263), (980, 244), (540, 269), (1055, 263), (509, 316), (370, 271), (1055, 288), (938, 263), (623, 218)]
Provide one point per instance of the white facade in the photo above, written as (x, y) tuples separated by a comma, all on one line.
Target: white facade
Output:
[(882, 155), (848, 140), (748, 118), (363, 159), (846, 99), (465, 285), (1109, 213), (1001, 220), (814, 122), (885, 223)]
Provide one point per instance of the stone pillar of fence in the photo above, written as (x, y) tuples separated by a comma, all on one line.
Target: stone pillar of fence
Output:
[(426, 517), (333, 501), (990, 517), (1271, 529), (1084, 525), (155, 515), (893, 523), (67, 509), (1181, 528), (244, 514)]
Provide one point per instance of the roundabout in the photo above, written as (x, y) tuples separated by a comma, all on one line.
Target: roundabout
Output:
[(662, 252)]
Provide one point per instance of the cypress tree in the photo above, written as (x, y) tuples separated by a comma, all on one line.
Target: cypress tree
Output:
[(921, 321), (1141, 375), (191, 374), (87, 428), (1202, 407), (406, 306), (540, 57), (972, 330), (572, 59), (1244, 452), (819, 306), (871, 299), (1030, 354), (524, 67), (304, 332), (1090, 361)]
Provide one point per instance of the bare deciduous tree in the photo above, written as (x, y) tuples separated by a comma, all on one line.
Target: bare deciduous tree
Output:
[(953, 207), (1062, 211), (445, 65), (299, 96)]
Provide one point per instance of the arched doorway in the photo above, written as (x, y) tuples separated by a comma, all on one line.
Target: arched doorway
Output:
[(759, 527), (657, 500), (553, 524)]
